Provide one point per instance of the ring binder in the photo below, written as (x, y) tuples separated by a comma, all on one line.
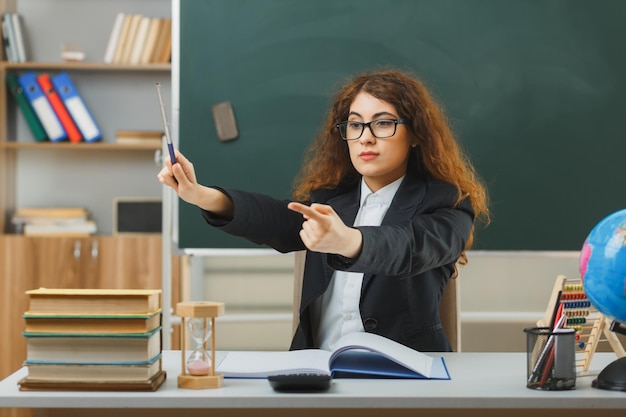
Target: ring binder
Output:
[(59, 108), (76, 107), (29, 114), (42, 107)]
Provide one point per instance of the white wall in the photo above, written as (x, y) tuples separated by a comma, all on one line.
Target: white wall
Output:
[(504, 292)]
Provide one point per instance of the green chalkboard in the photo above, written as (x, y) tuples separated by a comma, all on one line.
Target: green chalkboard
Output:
[(534, 89)]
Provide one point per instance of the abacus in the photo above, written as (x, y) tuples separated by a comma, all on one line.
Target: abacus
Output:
[(589, 323)]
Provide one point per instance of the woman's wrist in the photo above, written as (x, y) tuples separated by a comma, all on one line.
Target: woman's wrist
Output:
[(216, 202), (354, 244)]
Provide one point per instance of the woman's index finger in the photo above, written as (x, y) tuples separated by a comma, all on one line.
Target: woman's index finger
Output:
[(306, 211), (300, 208)]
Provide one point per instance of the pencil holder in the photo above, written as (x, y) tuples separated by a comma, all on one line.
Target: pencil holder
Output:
[(550, 358)]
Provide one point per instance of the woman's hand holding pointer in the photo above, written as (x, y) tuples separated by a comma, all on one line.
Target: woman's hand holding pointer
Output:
[(181, 176)]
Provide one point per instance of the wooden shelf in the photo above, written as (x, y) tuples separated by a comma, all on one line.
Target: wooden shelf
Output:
[(122, 97), (98, 146), (91, 175), (83, 66)]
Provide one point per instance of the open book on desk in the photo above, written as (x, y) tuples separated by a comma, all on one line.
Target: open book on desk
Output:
[(357, 354)]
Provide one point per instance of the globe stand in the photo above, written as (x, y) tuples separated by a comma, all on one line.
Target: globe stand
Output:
[(198, 371), (603, 267), (612, 377)]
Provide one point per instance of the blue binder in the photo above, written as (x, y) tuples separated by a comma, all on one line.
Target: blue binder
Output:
[(76, 107), (27, 111), (42, 107)]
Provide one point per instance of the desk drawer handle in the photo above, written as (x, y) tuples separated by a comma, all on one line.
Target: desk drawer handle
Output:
[(77, 247), (94, 249)]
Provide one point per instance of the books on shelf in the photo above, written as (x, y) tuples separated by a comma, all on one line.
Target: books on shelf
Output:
[(88, 339), (81, 228), (93, 301), (13, 37), (57, 221), (23, 214), (139, 137), (130, 38), (122, 39), (19, 37), (151, 38), (364, 354), (138, 39), (91, 323), (7, 36), (163, 48), (114, 37)]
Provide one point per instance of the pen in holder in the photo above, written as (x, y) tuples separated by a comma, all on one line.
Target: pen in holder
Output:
[(198, 369), (551, 358)]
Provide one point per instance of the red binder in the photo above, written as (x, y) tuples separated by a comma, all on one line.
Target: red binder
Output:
[(59, 108)]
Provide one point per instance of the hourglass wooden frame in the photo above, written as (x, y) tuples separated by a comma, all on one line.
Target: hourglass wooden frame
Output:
[(205, 310)]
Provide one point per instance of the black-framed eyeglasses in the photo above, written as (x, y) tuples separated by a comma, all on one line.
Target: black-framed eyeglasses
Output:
[(380, 128)]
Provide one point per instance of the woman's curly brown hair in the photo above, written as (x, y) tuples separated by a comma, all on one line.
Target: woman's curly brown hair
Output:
[(436, 154)]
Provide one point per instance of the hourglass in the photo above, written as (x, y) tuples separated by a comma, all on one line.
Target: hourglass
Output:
[(198, 319)]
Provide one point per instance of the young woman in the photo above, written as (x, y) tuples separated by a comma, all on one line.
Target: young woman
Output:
[(385, 206)]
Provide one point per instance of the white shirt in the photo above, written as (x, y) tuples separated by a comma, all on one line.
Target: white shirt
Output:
[(338, 308)]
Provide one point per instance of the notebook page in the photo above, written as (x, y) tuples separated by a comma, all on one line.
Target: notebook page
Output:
[(260, 364)]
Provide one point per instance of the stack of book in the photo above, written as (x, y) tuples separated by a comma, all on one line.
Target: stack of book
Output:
[(54, 221), (138, 39), (13, 38), (139, 137), (53, 108), (79, 339)]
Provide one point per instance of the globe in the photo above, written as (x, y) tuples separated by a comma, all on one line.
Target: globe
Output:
[(603, 272)]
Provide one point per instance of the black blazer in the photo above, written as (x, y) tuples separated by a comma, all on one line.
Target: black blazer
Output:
[(406, 261)]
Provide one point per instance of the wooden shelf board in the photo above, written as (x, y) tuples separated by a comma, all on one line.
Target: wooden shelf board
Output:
[(78, 146), (85, 66)]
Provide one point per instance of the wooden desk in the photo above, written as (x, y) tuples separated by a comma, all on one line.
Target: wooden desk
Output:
[(483, 384)]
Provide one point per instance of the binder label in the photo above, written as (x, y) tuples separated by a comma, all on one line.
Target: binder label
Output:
[(81, 117), (49, 119)]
